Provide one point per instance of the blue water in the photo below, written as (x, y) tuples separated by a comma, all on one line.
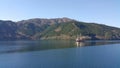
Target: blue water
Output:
[(52, 54)]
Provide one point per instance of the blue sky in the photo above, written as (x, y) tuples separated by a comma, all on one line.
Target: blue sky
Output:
[(98, 11)]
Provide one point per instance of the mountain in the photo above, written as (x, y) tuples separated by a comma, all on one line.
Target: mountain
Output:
[(8, 31), (57, 28), (70, 30), (33, 27)]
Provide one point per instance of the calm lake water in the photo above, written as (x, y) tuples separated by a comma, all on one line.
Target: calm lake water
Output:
[(59, 54)]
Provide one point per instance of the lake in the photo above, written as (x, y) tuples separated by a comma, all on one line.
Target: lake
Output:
[(59, 54)]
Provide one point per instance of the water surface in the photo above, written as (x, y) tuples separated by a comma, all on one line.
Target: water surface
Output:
[(59, 54)]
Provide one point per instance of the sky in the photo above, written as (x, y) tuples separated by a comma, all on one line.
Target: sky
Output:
[(93, 11)]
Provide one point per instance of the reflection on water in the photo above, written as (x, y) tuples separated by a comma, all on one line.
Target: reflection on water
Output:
[(95, 43), (79, 44), (25, 46)]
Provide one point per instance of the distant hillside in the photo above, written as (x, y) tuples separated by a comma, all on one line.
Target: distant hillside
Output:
[(33, 27), (70, 30), (8, 31), (58, 28)]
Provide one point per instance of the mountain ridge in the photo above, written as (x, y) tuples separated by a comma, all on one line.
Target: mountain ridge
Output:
[(56, 28)]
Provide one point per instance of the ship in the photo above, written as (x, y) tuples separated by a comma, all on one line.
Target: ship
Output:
[(79, 39)]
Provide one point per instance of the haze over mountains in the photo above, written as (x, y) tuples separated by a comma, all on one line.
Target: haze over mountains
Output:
[(57, 28)]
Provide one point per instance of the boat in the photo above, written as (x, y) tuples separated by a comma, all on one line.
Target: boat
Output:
[(79, 39)]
